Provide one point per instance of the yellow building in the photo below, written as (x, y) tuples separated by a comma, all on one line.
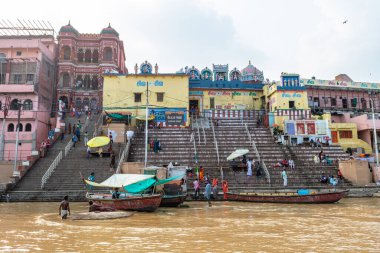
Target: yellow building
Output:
[(346, 134), (286, 100), (168, 96)]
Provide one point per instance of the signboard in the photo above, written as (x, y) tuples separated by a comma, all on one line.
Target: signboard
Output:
[(174, 118), (160, 113), (154, 83), (340, 84), (232, 93)]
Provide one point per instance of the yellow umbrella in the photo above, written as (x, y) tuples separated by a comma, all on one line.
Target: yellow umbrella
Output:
[(98, 141)]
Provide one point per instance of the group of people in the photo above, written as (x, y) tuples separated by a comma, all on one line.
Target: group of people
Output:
[(155, 145), (211, 187), (322, 158), (286, 164), (333, 181)]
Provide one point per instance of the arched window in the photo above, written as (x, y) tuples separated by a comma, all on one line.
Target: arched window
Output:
[(80, 55), (78, 102), (14, 104), (11, 127), (79, 82), (87, 55), (20, 128), (66, 53), (95, 56), (65, 79), (28, 105), (94, 82), (86, 101), (28, 127), (107, 54), (87, 81)]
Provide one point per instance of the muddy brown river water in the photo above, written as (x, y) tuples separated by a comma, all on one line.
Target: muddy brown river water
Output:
[(352, 225)]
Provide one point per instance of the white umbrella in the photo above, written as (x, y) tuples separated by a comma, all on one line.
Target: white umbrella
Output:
[(237, 153)]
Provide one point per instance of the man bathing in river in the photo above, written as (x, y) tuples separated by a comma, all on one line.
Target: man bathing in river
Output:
[(64, 208)]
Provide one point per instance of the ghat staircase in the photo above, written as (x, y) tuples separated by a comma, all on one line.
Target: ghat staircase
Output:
[(211, 144), (65, 180)]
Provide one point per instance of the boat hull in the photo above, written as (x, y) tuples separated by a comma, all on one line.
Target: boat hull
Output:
[(172, 200), (130, 203), (318, 198)]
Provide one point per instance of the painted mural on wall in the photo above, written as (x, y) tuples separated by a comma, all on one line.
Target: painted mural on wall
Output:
[(306, 127), (342, 84)]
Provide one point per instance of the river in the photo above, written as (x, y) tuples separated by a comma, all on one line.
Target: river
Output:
[(352, 225)]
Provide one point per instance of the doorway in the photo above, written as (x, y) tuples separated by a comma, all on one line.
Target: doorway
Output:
[(334, 136), (194, 106)]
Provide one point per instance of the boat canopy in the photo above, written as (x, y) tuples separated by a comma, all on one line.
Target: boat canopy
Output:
[(121, 180), (145, 184)]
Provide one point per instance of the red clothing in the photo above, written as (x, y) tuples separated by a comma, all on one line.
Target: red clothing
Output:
[(214, 182), (225, 188)]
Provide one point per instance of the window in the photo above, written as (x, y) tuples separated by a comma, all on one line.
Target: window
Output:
[(137, 97), (107, 54), (17, 78), (291, 105), (160, 97), (333, 101), (28, 127), (14, 104), (364, 104), (66, 53), (28, 105), (345, 134), (80, 55), (2, 78), (354, 102), (29, 77), (344, 103), (212, 103), (18, 53), (20, 128), (65, 80), (11, 127)]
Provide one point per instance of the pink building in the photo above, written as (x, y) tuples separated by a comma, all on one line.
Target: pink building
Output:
[(27, 77), (83, 58)]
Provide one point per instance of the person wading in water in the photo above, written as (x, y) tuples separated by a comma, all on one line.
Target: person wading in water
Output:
[(64, 208)]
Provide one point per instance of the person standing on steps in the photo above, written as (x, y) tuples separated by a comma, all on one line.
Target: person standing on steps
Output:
[(88, 152), (225, 188), (196, 188), (77, 133), (249, 167), (64, 208), (74, 139), (113, 162), (85, 138), (284, 177), (91, 178), (207, 193)]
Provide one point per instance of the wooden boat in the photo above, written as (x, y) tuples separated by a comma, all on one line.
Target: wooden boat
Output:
[(141, 202), (99, 215), (289, 197), (173, 200)]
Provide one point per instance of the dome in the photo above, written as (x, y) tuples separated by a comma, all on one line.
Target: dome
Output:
[(68, 29), (109, 30), (252, 73)]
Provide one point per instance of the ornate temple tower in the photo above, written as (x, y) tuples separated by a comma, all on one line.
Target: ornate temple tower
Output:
[(83, 58)]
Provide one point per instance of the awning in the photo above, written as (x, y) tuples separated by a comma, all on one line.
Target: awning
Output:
[(120, 180)]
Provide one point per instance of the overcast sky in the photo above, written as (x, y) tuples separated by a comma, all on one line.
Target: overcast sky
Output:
[(302, 36)]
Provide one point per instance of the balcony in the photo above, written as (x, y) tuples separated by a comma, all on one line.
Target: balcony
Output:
[(29, 87), (12, 114)]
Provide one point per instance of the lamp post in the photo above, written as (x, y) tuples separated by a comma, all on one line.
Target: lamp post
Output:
[(16, 173), (374, 131)]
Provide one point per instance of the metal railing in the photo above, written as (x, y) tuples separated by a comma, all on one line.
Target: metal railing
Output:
[(216, 142), (123, 157), (51, 169), (204, 133), (192, 139), (68, 147), (199, 135), (264, 166), (97, 125)]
